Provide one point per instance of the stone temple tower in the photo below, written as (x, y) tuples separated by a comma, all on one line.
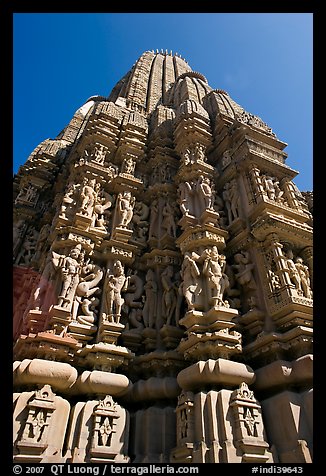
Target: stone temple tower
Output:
[(162, 282)]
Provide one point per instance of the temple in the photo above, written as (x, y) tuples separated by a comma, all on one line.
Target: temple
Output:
[(162, 282)]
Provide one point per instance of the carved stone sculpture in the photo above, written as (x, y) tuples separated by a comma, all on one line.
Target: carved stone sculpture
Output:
[(114, 285), (216, 279), (190, 278), (231, 199), (161, 283), (124, 209), (69, 267)]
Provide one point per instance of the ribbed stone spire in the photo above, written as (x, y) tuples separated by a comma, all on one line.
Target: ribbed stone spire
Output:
[(148, 82)]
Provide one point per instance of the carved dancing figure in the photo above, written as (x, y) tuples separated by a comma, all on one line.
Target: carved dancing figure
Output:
[(200, 152), (216, 279), (205, 193), (231, 198), (88, 196), (91, 275), (153, 224), (272, 188), (303, 271), (168, 219), (101, 208), (124, 209), (99, 154), (244, 269), (128, 165), (190, 278), (293, 271), (185, 190), (114, 285), (169, 294), (70, 267), (149, 310)]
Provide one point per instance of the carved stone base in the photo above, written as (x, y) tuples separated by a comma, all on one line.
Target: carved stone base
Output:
[(59, 319), (252, 322), (82, 221), (36, 320), (110, 331), (132, 340), (150, 338), (209, 217), (121, 234), (289, 345), (167, 242), (171, 336), (216, 318), (81, 332), (209, 335), (186, 221), (211, 345), (46, 345), (104, 356)]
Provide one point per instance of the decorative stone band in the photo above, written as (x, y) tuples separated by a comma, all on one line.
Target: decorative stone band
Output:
[(282, 373), (154, 388), (98, 382), (59, 375), (218, 372)]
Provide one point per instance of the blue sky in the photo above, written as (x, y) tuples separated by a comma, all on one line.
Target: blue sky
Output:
[(263, 60)]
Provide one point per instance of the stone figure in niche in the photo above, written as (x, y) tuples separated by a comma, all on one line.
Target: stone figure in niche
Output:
[(43, 294), (274, 280), (42, 240), (104, 201), (187, 156), (165, 173), (169, 294), (27, 193), (244, 268), (185, 190), (156, 176), (231, 199), (180, 297), (272, 188), (88, 197), (114, 285), (70, 267), (153, 225), (190, 275), (140, 221), (91, 275), (18, 230), (200, 152), (232, 291), (28, 248), (216, 279), (168, 219), (218, 208), (293, 271), (134, 301), (128, 165), (150, 305), (205, 193), (68, 199), (303, 272), (226, 159), (99, 154), (124, 209)]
